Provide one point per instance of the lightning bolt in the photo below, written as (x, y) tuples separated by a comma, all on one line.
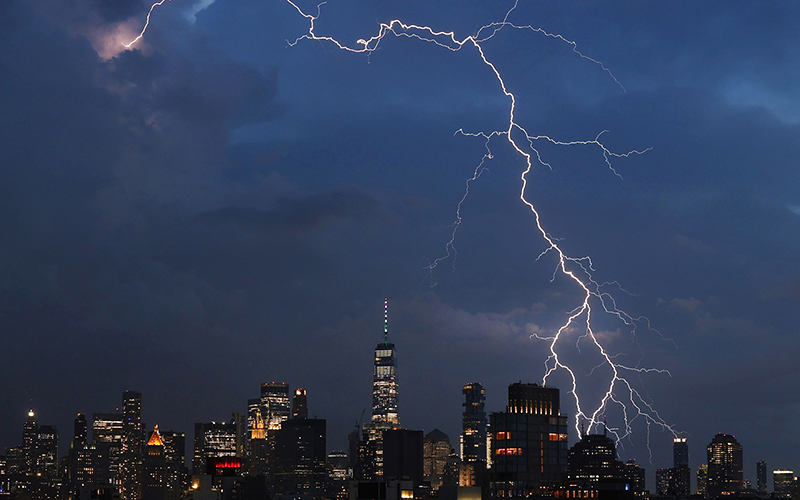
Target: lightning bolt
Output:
[(577, 270), (146, 24)]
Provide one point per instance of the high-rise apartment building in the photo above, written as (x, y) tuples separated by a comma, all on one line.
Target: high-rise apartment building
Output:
[(473, 423), (529, 443), (725, 468), (275, 398), (761, 477)]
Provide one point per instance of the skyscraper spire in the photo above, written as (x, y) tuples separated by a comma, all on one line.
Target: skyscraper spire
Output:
[(386, 320)]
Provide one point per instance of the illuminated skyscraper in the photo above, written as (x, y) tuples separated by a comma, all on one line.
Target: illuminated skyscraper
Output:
[(155, 468), (107, 434), (783, 482), (258, 448), (47, 451), (529, 444), (213, 440), (29, 429), (725, 468), (473, 423), (130, 469), (435, 450), (275, 398), (384, 406), (177, 474), (384, 379)]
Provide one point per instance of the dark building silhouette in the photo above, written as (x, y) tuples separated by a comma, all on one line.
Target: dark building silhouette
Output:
[(300, 404), (635, 475), (80, 431), (680, 452), (725, 468), (80, 439), (529, 445), (473, 423), (593, 466), (402, 455), (761, 477), (680, 476), (298, 464), (93, 469)]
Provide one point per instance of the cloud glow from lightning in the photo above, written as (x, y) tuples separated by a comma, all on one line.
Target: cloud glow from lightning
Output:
[(146, 24), (578, 270)]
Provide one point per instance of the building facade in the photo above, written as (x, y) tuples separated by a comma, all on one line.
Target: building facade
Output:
[(529, 443), (473, 423), (213, 440), (131, 459), (725, 468), (275, 399)]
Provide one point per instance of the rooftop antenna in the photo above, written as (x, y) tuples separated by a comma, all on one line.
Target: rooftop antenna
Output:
[(605, 426), (385, 320)]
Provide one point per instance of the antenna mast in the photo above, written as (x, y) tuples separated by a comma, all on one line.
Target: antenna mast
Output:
[(385, 320)]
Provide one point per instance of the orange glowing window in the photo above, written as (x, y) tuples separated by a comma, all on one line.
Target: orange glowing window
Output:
[(508, 451)]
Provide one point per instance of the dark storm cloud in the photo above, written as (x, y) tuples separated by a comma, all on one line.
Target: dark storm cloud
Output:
[(301, 215), (117, 10)]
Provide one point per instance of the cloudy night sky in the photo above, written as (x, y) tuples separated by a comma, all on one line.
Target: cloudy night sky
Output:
[(216, 208)]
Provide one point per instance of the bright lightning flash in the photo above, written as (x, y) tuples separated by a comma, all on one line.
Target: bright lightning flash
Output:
[(578, 270), (146, 24)]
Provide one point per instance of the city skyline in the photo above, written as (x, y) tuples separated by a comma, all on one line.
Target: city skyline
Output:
[(216, 208)]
